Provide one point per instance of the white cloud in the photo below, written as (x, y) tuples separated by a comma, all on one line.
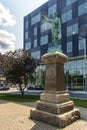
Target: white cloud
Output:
[(7, 41), (6, 19)]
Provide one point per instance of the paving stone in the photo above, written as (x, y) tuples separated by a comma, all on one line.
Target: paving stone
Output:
[(15, 116)]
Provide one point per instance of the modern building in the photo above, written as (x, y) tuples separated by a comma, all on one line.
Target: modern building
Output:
[(73, 40)]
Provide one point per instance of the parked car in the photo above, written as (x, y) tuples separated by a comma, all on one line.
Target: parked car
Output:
[(4, 88)]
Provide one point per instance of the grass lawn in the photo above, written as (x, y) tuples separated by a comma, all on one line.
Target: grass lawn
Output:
[(80, 102), (34, 98), (19, 98)]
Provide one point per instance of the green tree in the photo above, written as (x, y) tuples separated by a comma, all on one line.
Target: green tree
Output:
[(19, 68)]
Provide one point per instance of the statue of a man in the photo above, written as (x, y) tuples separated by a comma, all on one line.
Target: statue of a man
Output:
[(55, 29)]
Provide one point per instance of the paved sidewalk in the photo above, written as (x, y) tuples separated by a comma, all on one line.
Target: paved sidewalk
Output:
[(15, 116)]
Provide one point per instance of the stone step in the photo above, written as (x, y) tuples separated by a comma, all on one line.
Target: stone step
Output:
[(60, 120), (55, 108), (55, 97)]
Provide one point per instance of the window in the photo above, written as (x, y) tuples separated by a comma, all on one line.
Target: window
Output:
[(85, 6), (74, 1), (52, 10), (35, 31), (69, 30), (26, 24), (69, 47), (82, 44), (68, 2), (60, 46), (73, 29), (67, 16), (79, 63), (26, 35), (64, 17), (27, 45), (35, 19), (35, 43), (82, 9), (44, 40), (36, 54), (45, 26)]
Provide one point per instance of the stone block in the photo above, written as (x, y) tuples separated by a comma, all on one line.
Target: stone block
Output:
[(55, 98), (55, 108), (60, 120)]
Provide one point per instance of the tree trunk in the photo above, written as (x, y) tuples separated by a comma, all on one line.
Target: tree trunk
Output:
[(22, 90)]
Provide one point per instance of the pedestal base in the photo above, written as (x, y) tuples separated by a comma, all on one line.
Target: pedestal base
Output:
[(59, 120), (55, 106), (59, 111)]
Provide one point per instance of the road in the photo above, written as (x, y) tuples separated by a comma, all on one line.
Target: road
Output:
[(78, 94), (75, 94)]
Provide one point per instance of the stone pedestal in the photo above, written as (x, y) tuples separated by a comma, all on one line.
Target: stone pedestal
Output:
[(55, 106)]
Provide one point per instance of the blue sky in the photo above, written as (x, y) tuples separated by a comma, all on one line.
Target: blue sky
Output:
[(12, 13)]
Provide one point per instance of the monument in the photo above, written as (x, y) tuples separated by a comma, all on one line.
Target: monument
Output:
[(55, 106)]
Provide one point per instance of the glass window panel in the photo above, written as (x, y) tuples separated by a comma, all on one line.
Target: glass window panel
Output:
[(26, 35), (35, 31), (68, 2), (64, 17), (82, 43), (26, 24), (81, 9), (69, 15), (60, 46), (79, 63), (69, 30), (35, 43), (75, 28), (45, 26), (69, 46), (52, 9), (44, 40), (35, 19), (74, 1), (72, 67), (36, 54), (85, 7), (27, 45)]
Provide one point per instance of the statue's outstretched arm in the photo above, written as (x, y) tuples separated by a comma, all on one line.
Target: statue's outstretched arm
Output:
[(46, 19)]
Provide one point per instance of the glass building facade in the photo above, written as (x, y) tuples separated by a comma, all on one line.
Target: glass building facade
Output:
[(73, 39)]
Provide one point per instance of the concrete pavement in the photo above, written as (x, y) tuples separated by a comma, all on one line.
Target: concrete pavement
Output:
[(15, 116)]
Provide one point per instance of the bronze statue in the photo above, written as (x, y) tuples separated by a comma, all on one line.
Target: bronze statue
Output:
[(55, 29)]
